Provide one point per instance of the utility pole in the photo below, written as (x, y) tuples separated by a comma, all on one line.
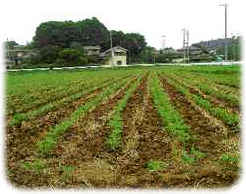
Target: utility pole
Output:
[(186, 44), (226, 43), (8, 48), (163, 42), (111, 46)]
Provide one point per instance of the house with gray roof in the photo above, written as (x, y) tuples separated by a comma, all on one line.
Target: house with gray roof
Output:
[(115, 56)]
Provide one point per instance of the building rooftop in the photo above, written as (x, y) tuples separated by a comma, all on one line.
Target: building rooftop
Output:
[(91, 47)]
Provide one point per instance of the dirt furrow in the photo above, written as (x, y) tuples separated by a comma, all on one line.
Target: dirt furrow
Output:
[(21, 140), (81, 147), (218, 102), (83, 87), (143, 140), (206, 137)]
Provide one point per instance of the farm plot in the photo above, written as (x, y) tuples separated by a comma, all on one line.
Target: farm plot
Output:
[(169, 127)]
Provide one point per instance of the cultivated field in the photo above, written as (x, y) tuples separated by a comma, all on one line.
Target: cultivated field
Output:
[(152, 127)]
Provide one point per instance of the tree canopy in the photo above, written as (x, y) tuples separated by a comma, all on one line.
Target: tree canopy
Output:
[(63, 34), (69, 34)]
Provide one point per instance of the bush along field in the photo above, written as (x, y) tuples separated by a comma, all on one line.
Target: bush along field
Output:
[(146, 127)]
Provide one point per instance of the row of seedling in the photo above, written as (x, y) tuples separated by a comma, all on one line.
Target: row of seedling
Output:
[(116, 124), (230, 119), (54, 105), (51, 138), (208, 89), (54, 95), (173, 123)]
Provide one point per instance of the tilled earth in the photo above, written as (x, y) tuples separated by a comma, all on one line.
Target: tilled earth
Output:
[(82, 159)]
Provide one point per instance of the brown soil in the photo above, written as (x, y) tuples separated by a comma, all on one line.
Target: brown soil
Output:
[(143, 140), (24, 109), (21, 140), (217, 102), (70, 149), (207, 139)]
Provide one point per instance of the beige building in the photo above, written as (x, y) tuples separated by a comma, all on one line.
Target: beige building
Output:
[(115, 56)]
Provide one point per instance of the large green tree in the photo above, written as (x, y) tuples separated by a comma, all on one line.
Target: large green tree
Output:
[(62, 34)]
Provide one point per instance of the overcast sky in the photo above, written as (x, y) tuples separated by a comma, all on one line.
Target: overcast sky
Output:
[(151, 18)]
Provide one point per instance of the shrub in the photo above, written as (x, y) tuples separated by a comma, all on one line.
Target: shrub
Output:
[(70, 56)]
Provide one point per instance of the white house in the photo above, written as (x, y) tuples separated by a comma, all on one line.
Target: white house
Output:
[(114, 56)]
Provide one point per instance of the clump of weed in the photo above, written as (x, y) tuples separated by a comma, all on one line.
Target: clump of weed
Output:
[(229, 158), (187, 158), (197, 154), (66, 171), (35, 166), (17, 119), (155, 165), (192, 156)]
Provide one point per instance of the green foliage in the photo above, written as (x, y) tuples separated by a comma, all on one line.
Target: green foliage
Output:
[(36, 166), (155, 165), (197, 154), (229, 158), (66, 171), (114, 139), (10, 44), (187, 158), (228, 118), (75, 35), (17, 119), (193, 156), (50, 140), (172, 121), (71, 57), (63, 34), (49, 54)]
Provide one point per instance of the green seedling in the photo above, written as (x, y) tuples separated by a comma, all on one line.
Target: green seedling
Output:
[(187, 158), (229, 158), (36, 166), (155, 165)]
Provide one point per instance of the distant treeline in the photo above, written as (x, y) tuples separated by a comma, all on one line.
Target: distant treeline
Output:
[(234, 46)]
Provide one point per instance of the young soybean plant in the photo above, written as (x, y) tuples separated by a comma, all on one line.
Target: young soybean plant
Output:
[(230, 119), (114, 139), (171, 119), (50, 140), (53, 105)]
